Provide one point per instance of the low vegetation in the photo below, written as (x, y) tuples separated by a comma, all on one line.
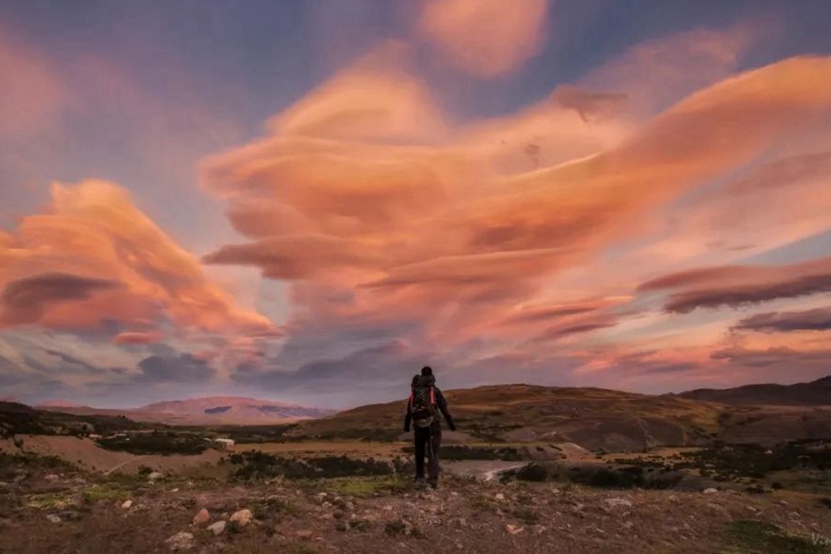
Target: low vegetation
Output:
[(156, 442), (600, 476), (759, 537), (254, 465), (463, 452), (18, 419)]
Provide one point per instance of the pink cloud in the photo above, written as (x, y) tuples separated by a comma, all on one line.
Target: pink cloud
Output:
[(374, 223), (739, 285), (485, 38), (94, 256)]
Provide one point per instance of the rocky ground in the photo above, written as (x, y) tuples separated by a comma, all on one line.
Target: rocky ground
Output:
[(58, 510)]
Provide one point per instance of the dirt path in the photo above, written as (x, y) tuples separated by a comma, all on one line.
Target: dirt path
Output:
[(123, 464)]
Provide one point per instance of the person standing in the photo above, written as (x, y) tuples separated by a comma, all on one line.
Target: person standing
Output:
[(425, 401)]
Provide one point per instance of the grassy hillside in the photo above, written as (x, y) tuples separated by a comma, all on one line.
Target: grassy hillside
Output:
[(593, 418), (815, 393), (19, 419)]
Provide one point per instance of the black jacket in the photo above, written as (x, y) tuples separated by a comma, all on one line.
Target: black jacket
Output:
[(441, 402)]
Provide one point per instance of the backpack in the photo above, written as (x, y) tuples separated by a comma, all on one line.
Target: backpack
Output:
[(422, 404)]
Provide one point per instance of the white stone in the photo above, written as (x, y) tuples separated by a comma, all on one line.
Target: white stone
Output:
[(242, 517), (217, 528), (514, 529), (710, 491), (618, 502), (180, 541)]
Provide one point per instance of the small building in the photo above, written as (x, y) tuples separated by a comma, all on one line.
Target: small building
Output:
[(224, 443)]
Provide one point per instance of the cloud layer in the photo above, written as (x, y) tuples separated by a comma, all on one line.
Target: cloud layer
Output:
[(92, 258), (486, 38), (658, 221)]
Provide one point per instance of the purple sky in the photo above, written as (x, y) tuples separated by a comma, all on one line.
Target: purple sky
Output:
[(308, 201)]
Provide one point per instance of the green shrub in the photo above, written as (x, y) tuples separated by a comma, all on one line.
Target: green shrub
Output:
[(156, 442), (258, 465)]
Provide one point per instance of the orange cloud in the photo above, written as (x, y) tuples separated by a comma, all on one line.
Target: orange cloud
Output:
[(377, 225), (485, 38), (93, 256), (738, 285), (655, 73), (133, 337)]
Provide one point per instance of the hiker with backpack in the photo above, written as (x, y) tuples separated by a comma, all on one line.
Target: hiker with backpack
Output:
[(425, 401)]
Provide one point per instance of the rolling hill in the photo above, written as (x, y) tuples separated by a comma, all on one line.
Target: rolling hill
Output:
[(595, 419), (213, 410), (18, 419), (815, 393), (591, 418)]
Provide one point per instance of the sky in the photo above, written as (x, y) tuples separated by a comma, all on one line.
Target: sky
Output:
[(307, 201)]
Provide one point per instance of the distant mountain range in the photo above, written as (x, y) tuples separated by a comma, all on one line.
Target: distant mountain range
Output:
[(599, 419), (212, 410), (589, 418), (815, 393)]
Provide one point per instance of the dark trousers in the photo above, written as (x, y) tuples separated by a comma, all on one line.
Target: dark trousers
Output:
[(427, 442)]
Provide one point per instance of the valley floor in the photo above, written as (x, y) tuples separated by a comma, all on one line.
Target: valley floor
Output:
[(81, 512)]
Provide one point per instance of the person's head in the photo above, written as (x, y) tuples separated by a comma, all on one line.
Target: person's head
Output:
[(427, 370)]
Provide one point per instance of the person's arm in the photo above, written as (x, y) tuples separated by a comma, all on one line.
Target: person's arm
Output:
[(441, 401), (408, 417)]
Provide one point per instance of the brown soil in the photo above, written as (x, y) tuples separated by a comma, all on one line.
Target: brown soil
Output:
[(87, 455), (358, 516)]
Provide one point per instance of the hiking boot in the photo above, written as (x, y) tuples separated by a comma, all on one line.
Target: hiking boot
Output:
[(419, 483), (434, 484)]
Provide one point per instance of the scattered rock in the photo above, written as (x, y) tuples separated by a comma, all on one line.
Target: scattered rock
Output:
[(350, 506), (617, 502), (388, 508), (499, 496), (70, 515), (710, 491), (242, 517), (514, 529), (155, 476), (51, 477), (305, 535), (180, 541), (217, 527), (53, 518), (718, 509), (127, 504), (201, 517)]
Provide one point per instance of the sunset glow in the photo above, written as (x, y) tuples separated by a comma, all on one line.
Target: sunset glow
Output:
[(309, 201)]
